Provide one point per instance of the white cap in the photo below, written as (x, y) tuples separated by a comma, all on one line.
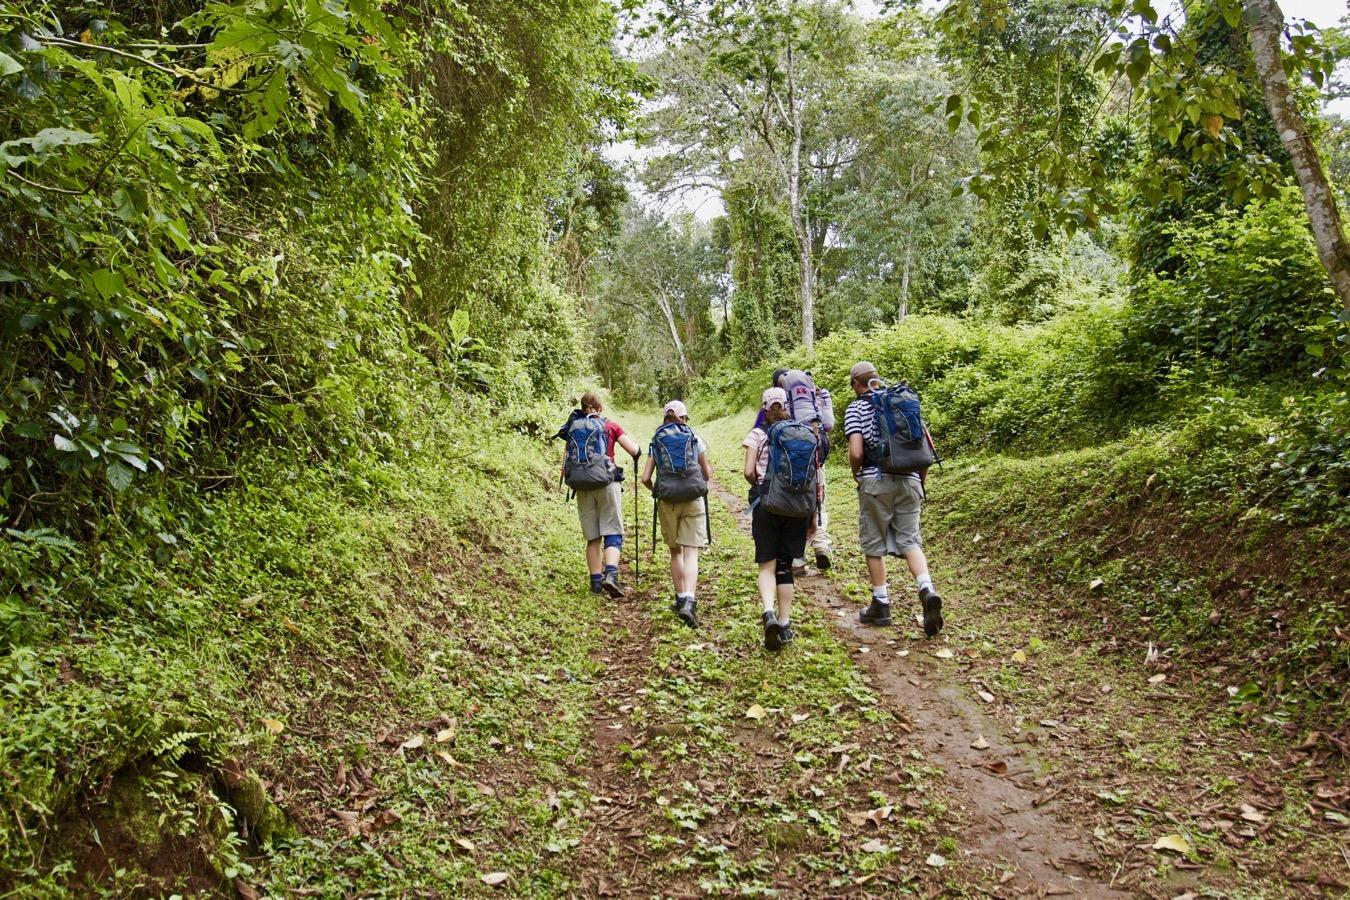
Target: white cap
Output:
[(675, 408), (774, 395)]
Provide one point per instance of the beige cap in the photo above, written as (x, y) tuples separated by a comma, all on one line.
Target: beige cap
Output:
[(675, 408), (862, 368), (774, 395)]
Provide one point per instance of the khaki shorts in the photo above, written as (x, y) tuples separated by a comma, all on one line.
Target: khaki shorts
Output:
[(601, 511), (683, 524), (888, 514)]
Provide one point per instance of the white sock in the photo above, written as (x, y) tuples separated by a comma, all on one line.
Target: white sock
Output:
[(881, 595), (685, 596), (923, 581)]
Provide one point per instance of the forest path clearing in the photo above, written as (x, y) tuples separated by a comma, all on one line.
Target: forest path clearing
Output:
[(1011, 835)]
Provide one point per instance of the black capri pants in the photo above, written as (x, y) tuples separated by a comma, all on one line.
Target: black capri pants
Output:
[(778, 539)]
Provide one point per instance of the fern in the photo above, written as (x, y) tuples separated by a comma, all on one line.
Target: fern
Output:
[(171, 748)]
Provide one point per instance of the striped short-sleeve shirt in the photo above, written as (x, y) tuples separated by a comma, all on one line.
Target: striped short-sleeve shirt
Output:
[(858, 419)]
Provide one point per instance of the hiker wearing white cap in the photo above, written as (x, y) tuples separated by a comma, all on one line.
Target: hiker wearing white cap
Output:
[(779, 538), (677, 474), (889, 504)]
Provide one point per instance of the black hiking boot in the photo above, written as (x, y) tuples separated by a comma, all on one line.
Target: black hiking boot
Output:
[(687, 610), (877, 613), (610, 584), (773, 633), (596, 588), (788, 635), (932, 611), (675, 603), (822, 560)]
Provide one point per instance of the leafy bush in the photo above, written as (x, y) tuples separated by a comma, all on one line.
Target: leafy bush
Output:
[(1244, 287)]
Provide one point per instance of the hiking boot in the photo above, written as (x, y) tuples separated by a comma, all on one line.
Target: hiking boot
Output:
[(773, 633), (687, 610), (610, 584), (788, 635), (822, 560), (877, 613), (675, 604), (932, 611), (798, 567), (596, 588)]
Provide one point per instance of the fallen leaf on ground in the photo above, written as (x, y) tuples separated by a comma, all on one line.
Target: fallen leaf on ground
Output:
[(493, 878), (413, 742), (1007, 876), (800, 717), (446, 758), (1096, 585), (485, 790), (864, 649), (980, 743), (873, 846), (935, 861), (1019, 656), (880, 814), (1252, 814), (986, 696), (349, 821), (273, 725), (446, 734), (291, 626), (1157, 679), (466, 844), (1174, 842), (755, 712), (998, 767), (944, 653)]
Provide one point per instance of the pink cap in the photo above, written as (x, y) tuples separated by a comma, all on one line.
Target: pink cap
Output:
[(774, 395), (675, 408)]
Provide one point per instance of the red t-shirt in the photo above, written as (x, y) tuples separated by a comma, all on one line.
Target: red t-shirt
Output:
[(614, 431)]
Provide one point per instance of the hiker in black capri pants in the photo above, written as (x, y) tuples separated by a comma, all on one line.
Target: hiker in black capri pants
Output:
[(778, 539)]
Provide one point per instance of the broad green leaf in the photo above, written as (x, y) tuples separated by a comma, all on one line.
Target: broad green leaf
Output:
[(9, 65), (119, 476)]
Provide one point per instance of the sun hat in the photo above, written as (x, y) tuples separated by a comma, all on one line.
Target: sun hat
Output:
[(774, 395), (676, 408)]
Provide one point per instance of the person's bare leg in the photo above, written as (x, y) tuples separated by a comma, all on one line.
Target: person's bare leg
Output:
[(690, 569), (876, 570), (594, 556), (677, 569), (785, 592), (915, 559), (768, 593)]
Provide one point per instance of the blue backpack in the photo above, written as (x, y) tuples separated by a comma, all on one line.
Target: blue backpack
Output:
[(679, 477), (790, 481), (588, 465), (903, 446)]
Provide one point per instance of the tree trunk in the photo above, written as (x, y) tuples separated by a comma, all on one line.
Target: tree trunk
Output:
[(904, 280), (685, 367), (1265, 23), (799, 225)]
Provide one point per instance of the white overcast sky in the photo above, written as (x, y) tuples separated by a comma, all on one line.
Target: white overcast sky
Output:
[(706, 204)]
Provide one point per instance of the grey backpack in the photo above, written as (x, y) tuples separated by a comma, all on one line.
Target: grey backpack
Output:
[(588, 465)]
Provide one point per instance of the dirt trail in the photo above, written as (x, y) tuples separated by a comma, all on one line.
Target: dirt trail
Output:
[(1014, 830)]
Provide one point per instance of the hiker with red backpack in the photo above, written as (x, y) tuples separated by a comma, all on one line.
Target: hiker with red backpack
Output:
[(590, 471), (677, 474), (890, 451), (781, 466)]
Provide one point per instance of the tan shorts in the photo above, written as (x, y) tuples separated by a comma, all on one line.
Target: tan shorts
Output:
[(888, 514), (601, 511), (683, 524)]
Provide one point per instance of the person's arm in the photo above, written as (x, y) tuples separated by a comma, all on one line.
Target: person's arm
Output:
[(855, 452), (703, 465), (628, 445), (647, 472), (750, 470)]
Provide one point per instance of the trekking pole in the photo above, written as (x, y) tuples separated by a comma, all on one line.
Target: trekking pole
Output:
[(637, 528)]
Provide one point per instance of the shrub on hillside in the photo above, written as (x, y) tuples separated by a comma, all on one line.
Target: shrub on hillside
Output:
[(1245, 288)]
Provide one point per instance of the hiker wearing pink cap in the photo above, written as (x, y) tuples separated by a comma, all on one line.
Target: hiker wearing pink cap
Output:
[(677, 474), (778, 526)]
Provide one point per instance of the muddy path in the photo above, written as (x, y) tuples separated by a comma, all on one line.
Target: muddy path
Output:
[(1011, 805)]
